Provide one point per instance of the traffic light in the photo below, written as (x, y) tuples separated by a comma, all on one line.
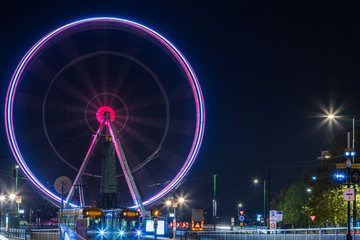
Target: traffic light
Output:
[(340, 176), (13, 171), (355, 176), (349, 152)]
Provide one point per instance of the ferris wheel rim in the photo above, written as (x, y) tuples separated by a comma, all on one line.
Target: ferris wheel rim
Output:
[(185, 66)]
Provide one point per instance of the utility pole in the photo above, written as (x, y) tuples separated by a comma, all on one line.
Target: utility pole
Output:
[(264, 202), (353, 160), (268, 186), (348, 166), (214, 203)]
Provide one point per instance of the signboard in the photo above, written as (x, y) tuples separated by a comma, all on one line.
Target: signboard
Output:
[(313, 217), (241, 218), (355, 165), (18, 199), (272, 215), (341, 166), (258, 217), (241, 224), (197, 225), (185, 224), (272, 225), (197, 214), (349, 194), (276, 215), (149, 226), (241, 212), (171, 215)]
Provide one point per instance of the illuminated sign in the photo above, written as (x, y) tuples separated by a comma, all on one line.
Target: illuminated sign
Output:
[(129, 214), (92, 212), (149, 226), (197, 225)]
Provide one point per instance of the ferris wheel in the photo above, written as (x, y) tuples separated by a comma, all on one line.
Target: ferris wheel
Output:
[(98, 77)]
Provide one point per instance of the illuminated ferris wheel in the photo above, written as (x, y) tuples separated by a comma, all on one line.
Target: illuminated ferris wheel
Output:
[(102, 77)]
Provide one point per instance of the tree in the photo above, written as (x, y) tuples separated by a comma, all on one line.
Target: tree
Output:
[(294, 204)]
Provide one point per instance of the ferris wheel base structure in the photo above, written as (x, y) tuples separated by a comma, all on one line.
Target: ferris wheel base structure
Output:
[(106, 120)]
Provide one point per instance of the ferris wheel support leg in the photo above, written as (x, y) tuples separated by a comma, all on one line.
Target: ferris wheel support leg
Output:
[(81, 194), (84, 164), (126, 169)]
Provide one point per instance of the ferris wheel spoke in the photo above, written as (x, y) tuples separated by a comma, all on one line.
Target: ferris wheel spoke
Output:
[(84, 164), (126, 169)]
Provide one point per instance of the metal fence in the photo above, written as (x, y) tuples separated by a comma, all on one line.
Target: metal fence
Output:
[(264, 234), (45, 234), (14, 233), (34, 234)]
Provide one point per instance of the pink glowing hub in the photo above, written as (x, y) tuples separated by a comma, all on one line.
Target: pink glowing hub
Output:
[(100, 114)]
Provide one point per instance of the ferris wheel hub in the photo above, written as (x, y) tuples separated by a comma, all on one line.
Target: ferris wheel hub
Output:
[(104, 112)]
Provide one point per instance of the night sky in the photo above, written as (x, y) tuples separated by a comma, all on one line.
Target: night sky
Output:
[(267, 72)]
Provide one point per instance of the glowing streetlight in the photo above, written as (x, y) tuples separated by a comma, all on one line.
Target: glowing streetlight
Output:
[(330, 116), (255, 180), (12, 196), (240, 205), (2, 198), (168, 202), (309, 190), (181, 200)]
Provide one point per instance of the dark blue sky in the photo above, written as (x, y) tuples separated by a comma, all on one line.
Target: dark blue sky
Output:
[(264, 69)]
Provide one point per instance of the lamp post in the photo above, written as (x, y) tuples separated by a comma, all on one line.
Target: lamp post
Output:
[(330, 117), (2, 199), (12, 197), (181, 201), (239, 206), (257, 181), (174, 204)]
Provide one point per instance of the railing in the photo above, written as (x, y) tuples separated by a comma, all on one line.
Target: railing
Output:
[(45, 234), (34, 234), (68, 234), (14, 233), (279, 234)]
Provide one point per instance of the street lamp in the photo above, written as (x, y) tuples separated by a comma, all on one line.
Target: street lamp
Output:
[(12, 196), (349, 152), (257, 181), (308, 190), (174, 204), (181, 201)]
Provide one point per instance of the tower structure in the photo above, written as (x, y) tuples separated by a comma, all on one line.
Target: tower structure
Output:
[(108, 196)]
